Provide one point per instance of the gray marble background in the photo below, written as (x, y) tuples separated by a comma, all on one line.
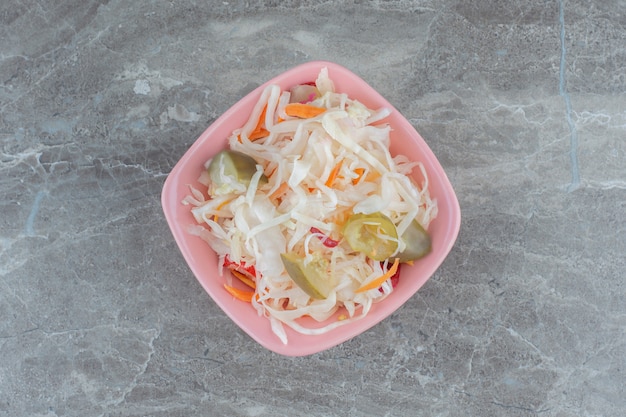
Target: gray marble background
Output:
[(523, 101)]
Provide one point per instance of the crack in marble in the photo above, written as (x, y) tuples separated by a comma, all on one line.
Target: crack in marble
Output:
[(575, 172), (587, 117), (607, 185), (520, 407), (518, 336), (147, 338), (140, 167), (155, 333), (35, 84), (12, 160), (32, 158), (13, 262), (520, 109)]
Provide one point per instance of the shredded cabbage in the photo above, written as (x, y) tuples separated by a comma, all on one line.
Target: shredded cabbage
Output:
[(253, 226)]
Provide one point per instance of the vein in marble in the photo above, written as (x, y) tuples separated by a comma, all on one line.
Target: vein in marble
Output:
[(575, 183)]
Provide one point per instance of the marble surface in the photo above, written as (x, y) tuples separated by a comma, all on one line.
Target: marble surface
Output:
[(523, 101)]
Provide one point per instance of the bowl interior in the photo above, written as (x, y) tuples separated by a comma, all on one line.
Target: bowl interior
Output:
[(203, 261)]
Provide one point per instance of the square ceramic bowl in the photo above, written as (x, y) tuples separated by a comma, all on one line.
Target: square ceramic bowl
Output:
[(203, 261)]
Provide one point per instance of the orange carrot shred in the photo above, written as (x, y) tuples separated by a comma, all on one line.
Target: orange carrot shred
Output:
[(259, 130), (303, 111), (261, 122), (376, 283), (258, 134), (244, 278), (333, 174), (215, 216), (240, 294), (279, 191), (359, 172)]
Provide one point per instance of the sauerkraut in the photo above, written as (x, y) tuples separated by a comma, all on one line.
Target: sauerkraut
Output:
[(313, 170)]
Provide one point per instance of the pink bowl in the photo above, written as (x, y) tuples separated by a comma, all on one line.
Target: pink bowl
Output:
[(203, 261)]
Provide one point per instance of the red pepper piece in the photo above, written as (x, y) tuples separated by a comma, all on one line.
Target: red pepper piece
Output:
[(248, 270), (326, 241)]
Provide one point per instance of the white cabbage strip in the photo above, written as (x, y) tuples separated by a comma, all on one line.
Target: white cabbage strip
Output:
[(319, 171)]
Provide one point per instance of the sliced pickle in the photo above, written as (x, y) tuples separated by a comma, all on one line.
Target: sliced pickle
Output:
[(313, 278), (373, 234), (231, 171), (417, 240)]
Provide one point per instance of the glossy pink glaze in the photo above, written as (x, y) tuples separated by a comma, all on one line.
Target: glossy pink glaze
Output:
[(203, 262)]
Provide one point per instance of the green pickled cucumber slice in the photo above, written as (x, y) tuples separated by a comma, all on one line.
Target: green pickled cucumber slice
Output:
[(373, 234), (417, 240), (313, 278), (232, 171)]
